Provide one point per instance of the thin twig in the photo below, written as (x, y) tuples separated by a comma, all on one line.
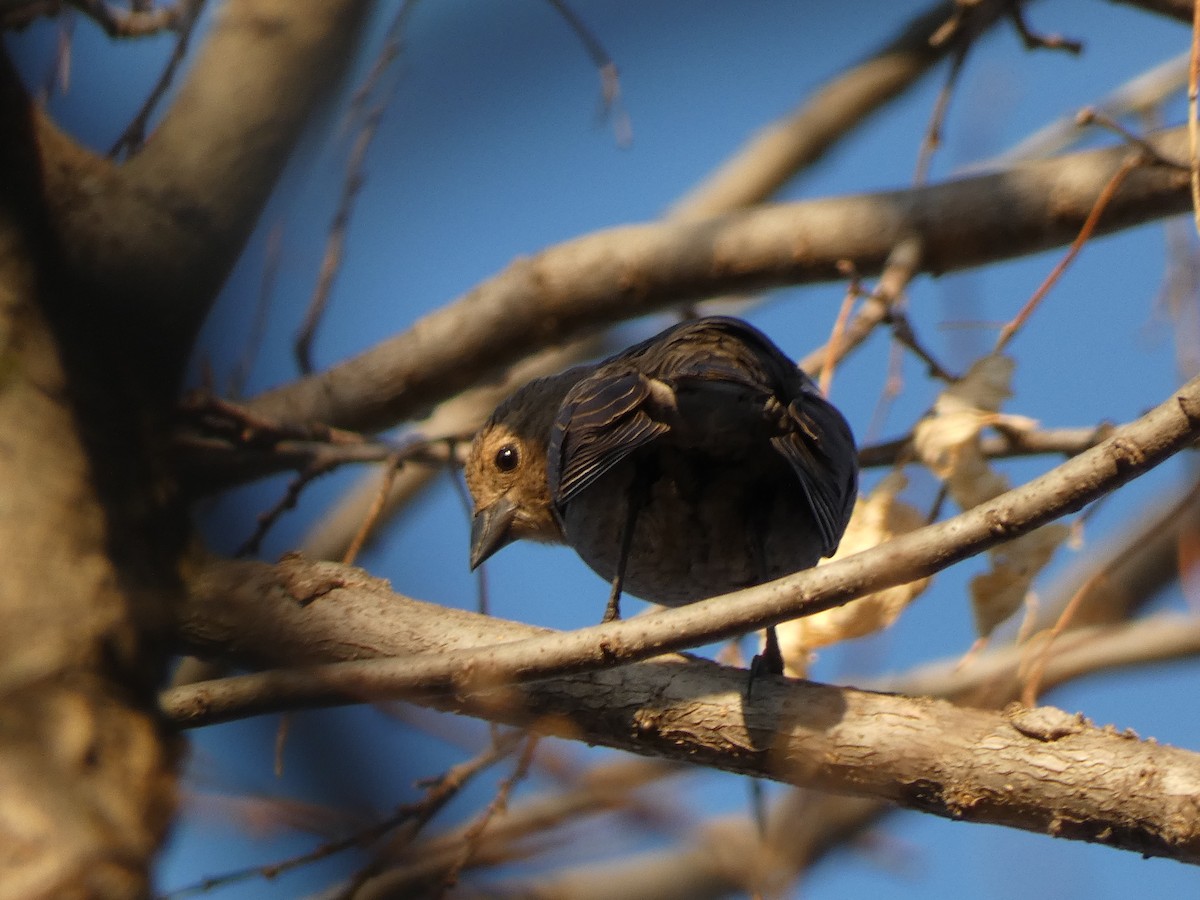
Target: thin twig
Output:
[(1033, 680), (1091, 116), (353, 181), (1085, 233), (331, 260), (608, 787), (134, 135), (834, 346), (390, 467), (439, 792), (216, 416), (288, 501), (258, 326), (893, 384), (1035, 41), (610, 82), (933, 134), (902, 264), (1007, 443), (902, 331), (499, 804)]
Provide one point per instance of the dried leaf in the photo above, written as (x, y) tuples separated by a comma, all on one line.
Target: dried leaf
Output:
[(947, 442), (997, 594)]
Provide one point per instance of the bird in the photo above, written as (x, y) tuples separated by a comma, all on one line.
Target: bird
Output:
[(695, 463)]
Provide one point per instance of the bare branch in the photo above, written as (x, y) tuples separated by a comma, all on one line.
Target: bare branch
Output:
[(781, 149), (1068, 441), (624, 272), (918, 753), (156, 237), (608, 787), (1176, 9), (726, 853), (134, 135), (1131, 450), (121, 23)]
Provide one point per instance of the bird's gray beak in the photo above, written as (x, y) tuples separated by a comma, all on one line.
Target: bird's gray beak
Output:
[(490, 529)]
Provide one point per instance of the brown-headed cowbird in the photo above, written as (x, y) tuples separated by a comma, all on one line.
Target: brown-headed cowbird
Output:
[(697, 462)]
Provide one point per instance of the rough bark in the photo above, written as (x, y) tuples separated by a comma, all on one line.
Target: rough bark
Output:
[(1036, 769), (105, 274), (86, 787)]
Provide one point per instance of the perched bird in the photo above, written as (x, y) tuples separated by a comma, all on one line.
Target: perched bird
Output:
[(695, 463)]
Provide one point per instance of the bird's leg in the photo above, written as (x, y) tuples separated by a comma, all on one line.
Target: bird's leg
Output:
[(770, 661), (613, 610), (639, 489)]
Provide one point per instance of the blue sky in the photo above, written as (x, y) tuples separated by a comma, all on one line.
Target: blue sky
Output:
[(493, 147)]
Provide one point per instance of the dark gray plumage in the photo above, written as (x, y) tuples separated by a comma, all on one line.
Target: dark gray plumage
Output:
[(697, 462)]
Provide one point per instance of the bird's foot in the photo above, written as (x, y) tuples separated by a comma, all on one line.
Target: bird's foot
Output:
[(769, 662), (612, 612)]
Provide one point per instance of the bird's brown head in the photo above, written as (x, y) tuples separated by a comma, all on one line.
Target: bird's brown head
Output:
[(506, 469)]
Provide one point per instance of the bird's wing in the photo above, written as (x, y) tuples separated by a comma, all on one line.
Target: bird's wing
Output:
[(602, 420), (715, 348), (816, 441), (820, 449)]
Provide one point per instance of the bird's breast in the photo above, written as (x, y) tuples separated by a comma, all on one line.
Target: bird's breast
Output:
[(705, 526)]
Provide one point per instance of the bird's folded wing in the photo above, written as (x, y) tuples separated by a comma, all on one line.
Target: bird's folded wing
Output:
[(720, 349), (603, 419), (821, 452)]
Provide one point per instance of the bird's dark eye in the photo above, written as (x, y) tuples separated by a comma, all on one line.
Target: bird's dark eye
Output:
[(507, 458)]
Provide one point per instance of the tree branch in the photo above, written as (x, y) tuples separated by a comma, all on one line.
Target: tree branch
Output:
[(86, 772), (157, 236), (804, 825), (1131, 450), (1180, 10), (1043, 770), (778, 151), (623, 272)]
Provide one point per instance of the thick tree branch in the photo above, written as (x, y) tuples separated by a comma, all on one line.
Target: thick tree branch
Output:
[(156, 237), (624, 272), (1042, 770), (804, 825), (781, 149), (86, 773), (1135, 568), (105, 273)]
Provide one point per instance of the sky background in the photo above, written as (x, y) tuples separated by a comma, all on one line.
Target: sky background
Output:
[(494, 146)]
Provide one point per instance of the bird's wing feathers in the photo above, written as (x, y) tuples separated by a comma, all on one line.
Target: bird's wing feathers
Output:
[(816, 441), (718, 348), (613, 412), (602, 420), (820, 450)]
